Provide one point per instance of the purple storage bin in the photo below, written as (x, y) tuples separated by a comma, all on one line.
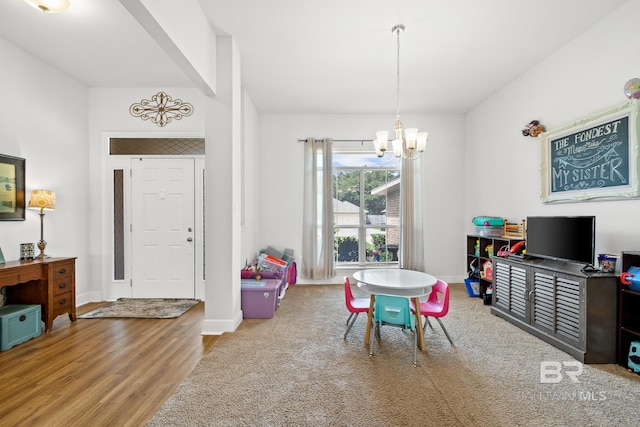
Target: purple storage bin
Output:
[(259, 302)]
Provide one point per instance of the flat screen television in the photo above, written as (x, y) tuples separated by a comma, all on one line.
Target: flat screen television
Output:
[(565, 238)]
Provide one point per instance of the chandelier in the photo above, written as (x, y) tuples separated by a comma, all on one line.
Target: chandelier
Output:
[(412, 143)]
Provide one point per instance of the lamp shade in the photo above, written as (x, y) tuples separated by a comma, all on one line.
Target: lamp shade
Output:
[(51, 6), (42, 199)]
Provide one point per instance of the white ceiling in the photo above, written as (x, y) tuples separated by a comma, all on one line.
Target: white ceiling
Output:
[(330, 56)]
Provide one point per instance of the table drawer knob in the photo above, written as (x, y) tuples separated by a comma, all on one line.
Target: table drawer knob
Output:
[(23, 318), (63, 301), (62, 285), (62, 271)]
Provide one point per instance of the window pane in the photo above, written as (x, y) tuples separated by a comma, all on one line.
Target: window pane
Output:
[(346, 197), (377, 249), (346, 245), (118, 224)]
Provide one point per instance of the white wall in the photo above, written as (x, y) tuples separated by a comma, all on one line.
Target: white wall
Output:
[(584, 77), (43, 119), (281, 171), (250, 179)]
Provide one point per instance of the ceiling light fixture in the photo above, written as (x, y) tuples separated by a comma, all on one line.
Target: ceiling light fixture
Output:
[(50, 6), (412, 143)]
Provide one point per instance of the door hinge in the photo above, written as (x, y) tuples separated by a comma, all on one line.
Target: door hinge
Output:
[(131, 283), (130, 228)]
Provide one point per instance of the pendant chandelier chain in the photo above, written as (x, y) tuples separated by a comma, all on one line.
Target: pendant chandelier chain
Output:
[(398, 30)]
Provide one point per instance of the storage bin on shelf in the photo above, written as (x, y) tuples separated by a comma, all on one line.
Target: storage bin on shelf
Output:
[(488, 226)]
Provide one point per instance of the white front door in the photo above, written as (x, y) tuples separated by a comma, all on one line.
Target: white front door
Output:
[(163, 263)]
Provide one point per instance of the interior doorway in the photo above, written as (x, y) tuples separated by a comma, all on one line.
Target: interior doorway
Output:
[(155, 217)]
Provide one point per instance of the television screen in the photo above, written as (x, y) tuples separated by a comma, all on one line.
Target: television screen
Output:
[(567, 238)]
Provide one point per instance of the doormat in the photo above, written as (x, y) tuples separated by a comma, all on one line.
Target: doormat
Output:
[(149, 308)]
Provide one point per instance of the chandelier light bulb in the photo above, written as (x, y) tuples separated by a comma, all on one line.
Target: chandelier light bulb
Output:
[(411, 134), (382, 137), (422, 141)]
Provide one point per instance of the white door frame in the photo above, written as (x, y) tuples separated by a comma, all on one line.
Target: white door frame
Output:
[(113, 289)]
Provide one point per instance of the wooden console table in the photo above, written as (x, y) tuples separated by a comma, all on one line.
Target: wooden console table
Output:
[(50, 282)]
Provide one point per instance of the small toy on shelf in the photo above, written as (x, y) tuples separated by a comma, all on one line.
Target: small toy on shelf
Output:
[(634, 357), (534, 128), (631, 278), (514, 230)]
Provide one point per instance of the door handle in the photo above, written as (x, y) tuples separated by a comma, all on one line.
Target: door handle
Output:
[(189, 239)]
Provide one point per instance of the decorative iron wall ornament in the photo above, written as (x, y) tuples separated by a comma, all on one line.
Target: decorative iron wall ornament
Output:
[(161, 109)]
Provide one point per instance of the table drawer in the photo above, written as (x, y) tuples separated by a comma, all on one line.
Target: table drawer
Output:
[(62, 303), (14, 276), (61, 269), (62, 285)]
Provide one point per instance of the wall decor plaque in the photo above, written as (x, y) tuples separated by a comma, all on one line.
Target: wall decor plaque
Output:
[(161, 109), (594, 158)]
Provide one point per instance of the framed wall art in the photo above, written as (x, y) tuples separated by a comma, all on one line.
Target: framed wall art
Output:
[(594, 158), (12, 201)]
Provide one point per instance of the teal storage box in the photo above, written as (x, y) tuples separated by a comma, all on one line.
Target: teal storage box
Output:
[(18, 323)]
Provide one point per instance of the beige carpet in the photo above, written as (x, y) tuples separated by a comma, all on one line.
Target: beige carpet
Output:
[(149, 308), (296, 370)]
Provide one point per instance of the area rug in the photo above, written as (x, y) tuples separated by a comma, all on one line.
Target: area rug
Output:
[(150, 308)]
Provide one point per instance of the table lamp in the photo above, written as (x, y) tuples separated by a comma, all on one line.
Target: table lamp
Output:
[(42, 199)]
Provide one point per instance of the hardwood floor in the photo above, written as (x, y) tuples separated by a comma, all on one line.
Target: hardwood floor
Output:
[(99, 372)]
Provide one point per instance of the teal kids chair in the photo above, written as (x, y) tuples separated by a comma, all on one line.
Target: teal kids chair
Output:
[(393, 311)]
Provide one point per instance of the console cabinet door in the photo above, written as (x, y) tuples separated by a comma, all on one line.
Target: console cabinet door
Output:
[(510, 289), (570, 310), (543, 300), (556, 306)]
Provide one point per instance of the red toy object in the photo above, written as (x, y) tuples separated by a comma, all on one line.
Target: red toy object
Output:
[(631, 278)]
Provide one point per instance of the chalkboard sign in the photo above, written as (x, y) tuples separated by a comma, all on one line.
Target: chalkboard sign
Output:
[(594, 158)]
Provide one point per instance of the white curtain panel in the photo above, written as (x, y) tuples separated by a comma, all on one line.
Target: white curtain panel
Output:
[(411, 249), (317, 233)]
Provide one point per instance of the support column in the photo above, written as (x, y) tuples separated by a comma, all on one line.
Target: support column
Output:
[(222, 195)]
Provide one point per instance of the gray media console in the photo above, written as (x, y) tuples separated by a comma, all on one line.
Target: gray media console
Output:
[(556, 301)]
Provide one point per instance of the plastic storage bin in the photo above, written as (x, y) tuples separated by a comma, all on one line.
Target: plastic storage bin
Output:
[(18, 323), (259, 299), (473, 287), (271, 264), (488, 231), (493, 221)]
